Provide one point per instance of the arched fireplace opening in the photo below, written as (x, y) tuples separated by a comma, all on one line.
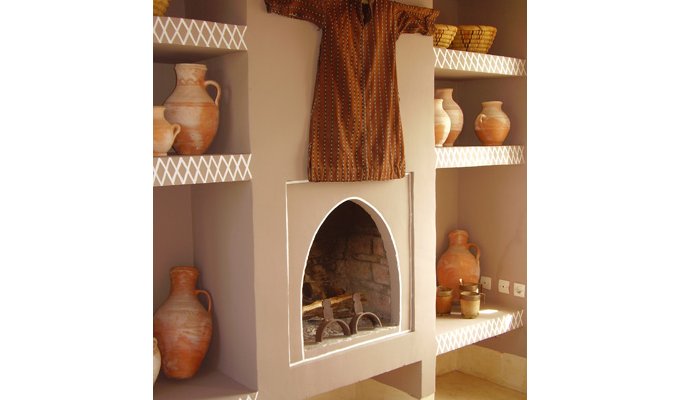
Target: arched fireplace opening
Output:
[(350, 278)]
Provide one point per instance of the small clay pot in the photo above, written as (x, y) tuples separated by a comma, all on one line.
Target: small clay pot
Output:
[(469, 304), (444, 300)]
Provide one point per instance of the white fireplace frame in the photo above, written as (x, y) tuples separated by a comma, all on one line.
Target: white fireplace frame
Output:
[(398, 251)]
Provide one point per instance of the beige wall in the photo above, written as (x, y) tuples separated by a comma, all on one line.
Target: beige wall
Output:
[(172, 236)]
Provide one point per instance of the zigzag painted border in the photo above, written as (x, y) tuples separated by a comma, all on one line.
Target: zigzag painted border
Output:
[(484, 329), (478, 156), (478, 62), (189, 32), (187, 170)]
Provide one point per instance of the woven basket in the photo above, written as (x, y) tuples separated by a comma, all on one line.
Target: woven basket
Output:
[(443, 35), (475, 38), (160, 7)]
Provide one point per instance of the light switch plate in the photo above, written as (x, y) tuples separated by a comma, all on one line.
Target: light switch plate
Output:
[(486, 282), (503, 286), (519, 289)]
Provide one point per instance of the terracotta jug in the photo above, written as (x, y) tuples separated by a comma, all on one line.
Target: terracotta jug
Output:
[(182, 326), (492, 124), (458, 263), (442, 123), (455, 114), (190, 106), (164, 133)]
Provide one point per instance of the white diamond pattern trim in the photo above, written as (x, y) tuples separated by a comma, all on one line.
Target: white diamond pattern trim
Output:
[(478, 156), (189, 32), (462, 337), (185, 170), (478, 62), (249, 398)]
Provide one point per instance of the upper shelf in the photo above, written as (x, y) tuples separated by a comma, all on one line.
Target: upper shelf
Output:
[(453, 331), (478, 156), (455, 64), (187, 170), (189, 40)]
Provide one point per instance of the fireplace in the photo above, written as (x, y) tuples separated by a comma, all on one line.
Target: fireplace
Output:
[(350, 284)]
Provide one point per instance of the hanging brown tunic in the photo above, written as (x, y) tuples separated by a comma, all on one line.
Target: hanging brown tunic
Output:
[(355, 130)]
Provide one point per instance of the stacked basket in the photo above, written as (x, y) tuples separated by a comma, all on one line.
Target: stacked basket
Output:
[(475, 38), (443, 35), (160, 7)]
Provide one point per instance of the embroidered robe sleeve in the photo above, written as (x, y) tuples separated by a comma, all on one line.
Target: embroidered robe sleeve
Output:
[(413, 19), (308, 10)]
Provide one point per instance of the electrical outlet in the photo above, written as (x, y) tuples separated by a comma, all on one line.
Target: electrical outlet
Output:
[(519, 289), (486, 282), (503, 286)]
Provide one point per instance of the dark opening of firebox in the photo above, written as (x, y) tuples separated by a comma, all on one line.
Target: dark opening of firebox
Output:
[(346, 257)]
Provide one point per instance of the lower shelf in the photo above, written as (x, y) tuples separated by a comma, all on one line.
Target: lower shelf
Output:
[(205, 385), (453, 331)]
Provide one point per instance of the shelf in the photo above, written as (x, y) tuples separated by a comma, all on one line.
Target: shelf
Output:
[(454, 331), (455, 64), (188, 40), (204, 385), (188, 170), (478, 156)]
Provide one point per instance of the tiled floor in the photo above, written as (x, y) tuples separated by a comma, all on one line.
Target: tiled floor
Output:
[(452, 386), (459, 386)]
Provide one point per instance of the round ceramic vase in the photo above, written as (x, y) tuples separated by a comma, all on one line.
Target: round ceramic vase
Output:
[(190, 106), (442, 123), (492, 124), (455, 114), (182, 326)]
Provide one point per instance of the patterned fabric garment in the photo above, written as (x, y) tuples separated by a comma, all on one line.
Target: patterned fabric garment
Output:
[(355, 129)]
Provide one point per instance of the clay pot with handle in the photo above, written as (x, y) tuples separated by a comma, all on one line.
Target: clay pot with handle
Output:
[(182, 326), (457, 263), (190, 106), (164, 133)]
